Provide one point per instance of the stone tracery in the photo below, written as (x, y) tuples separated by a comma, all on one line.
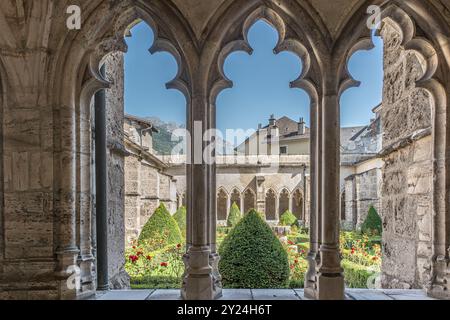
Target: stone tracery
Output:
[(76, 52), (399, 32)]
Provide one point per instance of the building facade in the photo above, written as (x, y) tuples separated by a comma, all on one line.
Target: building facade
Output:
[(253, 180), (49, 73)]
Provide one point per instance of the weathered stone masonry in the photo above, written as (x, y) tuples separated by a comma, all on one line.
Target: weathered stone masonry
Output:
[(116, 171), (406, 192), (147, 186), (361, 193), (49, 74)]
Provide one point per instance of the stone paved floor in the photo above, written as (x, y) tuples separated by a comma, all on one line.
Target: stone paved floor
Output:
[(263, 294)]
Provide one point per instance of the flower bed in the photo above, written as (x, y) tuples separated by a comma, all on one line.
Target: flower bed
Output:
[(155, 269), (298, 264), (163, 269)]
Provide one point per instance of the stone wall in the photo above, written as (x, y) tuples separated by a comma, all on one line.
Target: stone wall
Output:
[(361, 193), (46, 165), (114, 66), (258, 178), (146, 187), (406, 193)]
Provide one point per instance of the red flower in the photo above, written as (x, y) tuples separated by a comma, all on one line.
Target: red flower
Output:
[(134, 247), (149, 258), (296, 261), (375, 258), (179, 246), (140, 253), (290, 242), (134, 258), (164, 264)]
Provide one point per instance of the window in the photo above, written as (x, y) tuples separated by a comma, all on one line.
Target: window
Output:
[(284, 150)]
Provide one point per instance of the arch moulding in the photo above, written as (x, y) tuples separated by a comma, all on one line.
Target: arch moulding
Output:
[(425, 40)]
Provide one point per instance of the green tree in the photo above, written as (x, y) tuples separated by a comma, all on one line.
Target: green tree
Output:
[(288, 219), (162, 226), (235, 215), (252, 256), (180, 218), (373, 224)]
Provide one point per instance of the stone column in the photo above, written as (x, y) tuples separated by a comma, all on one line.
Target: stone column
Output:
[(228, 205), (314, 218), (291, 198), (277, 208), (260, 194), (307, 201), (330, 280), (201, 281), (86, 193), (241, 204), (305, 190), (212, 211), (179, 201), (67, 250), (101, 190)]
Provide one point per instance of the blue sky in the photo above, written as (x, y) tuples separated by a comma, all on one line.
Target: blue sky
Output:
[(261, 83)]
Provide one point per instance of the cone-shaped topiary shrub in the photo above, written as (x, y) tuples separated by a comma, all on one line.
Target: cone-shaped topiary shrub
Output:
[(288, 219), (235, 216), (161, 226), (373, 224), (252, 256), (180, 218)]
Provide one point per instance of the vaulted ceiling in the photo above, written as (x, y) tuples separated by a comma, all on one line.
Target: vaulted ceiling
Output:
[(333, 13), (19, 19)]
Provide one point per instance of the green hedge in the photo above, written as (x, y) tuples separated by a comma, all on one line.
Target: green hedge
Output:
[(161, 226), (373, 224), (356, 275), (297, 284), (252, 256), (180, 218), (298, 238), (235, 215), (288, 219), (156, 282)]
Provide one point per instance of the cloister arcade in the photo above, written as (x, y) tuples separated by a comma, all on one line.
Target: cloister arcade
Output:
[(49, 75), (275, 204)]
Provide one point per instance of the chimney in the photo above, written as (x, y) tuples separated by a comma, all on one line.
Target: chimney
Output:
[(301, 127), (272, 121), (259, 126)]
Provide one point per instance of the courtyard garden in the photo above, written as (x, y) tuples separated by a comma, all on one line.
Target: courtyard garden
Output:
[(253, 254)]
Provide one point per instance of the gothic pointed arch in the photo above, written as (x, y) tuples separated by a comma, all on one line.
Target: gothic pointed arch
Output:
[(249, 200), (291, 38), (297, 204), (417, 49), (271, 205), (422, 38), (235, 197), (222, 204), (283, 201), (77, 77)]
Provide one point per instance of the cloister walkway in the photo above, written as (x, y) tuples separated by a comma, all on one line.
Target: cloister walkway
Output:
[(264, 294)]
